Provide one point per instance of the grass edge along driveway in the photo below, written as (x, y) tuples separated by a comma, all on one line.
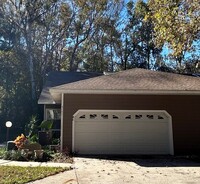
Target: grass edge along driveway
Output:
[(19, 175)]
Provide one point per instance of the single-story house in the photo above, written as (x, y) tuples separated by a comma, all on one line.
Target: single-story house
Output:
[(136, 111)]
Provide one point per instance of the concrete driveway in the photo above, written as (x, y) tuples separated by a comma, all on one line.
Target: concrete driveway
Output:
[(122, 171)]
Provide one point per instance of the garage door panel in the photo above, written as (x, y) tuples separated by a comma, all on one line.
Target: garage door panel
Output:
[(116, 138), (95, 138), (116, 126), (92, 149), (140, 149), (122, 136), (92, 127)]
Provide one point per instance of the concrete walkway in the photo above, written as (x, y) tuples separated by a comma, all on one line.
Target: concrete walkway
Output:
[(33, 164), (127, 171)]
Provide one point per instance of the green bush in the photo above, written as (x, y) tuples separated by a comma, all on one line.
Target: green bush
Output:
[(48, 155), (55, 141), (46, 124), (33, 138), (2, 152), (17, 155), (13, 155)]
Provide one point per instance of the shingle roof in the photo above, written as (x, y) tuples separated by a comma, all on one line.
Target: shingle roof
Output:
[(134, 80), (60, 78)]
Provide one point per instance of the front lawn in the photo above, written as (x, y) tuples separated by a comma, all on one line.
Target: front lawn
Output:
[(15, 174)]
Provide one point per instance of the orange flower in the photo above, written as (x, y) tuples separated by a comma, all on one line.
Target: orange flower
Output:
[(20, 141)]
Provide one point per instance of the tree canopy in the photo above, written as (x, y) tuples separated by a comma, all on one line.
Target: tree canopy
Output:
[(177, 24)]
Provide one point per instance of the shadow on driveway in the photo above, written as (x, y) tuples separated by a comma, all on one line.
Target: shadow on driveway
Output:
[(153, 161)]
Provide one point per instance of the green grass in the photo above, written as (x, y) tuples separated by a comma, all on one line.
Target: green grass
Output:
[(2, 151), (16, 175)]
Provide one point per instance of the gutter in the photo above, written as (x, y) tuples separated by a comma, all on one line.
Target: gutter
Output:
[(131, 92)]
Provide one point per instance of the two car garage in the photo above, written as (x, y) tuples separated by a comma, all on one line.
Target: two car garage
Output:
[(122, 132)]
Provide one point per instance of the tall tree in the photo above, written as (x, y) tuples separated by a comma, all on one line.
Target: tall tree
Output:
[(32, 39), (144, 49), (40, 27), (101, 46), (14, 83), (176, 24), (88, 22)]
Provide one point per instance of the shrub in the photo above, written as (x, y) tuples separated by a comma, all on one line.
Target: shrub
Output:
[(2, 152), (14, 155), (18, 155)]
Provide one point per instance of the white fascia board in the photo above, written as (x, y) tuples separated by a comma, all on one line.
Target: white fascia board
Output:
[(134, 92), (46, 102)]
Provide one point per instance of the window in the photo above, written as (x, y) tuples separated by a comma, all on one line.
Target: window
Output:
[(93, 116), (53, 114), (104, 116), (150, 116), (128, 117), (115, 117), (138, 116), (82, 117), (160, 117)]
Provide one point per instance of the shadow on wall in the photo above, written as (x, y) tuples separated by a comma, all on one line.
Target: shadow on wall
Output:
[(153, 161)]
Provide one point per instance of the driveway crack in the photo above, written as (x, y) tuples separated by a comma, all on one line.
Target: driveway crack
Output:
[(76, 175)]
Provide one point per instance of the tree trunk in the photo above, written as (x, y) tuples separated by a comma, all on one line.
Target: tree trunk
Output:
[(148, 59), (30, 62), (126, 54), (111, 57), (179, 63), (71, 64)]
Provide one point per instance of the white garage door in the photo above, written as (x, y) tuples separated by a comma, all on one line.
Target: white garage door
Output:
[(122, 132)]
